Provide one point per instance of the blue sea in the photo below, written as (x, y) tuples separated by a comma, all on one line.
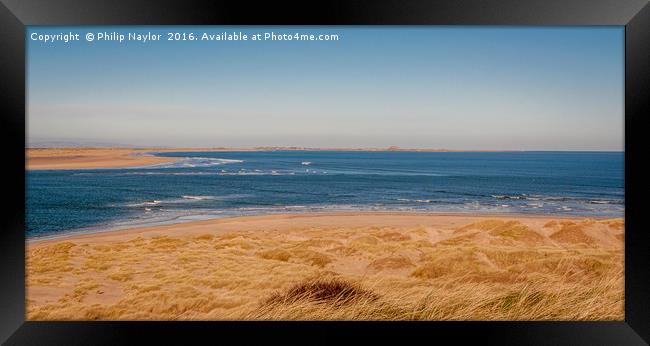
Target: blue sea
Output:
[(202, 185)]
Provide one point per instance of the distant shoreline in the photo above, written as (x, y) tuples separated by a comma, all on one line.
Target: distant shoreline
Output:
[(101, 158), (294, 148), (108, 157)]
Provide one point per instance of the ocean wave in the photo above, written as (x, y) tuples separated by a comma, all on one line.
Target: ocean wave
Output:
[(415, 200), (606, 202), (505, 197), (169, 173), (245, 172), (184, 199), (540, 198), (204, 173), (194, 162), (198, 198), (145, 203)]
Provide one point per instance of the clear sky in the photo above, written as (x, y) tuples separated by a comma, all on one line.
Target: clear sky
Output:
[(415, 87)]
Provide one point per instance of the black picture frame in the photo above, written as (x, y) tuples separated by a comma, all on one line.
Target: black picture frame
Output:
[(15, 15)]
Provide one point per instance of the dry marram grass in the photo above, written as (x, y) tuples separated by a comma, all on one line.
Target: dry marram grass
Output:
[(483, 269)]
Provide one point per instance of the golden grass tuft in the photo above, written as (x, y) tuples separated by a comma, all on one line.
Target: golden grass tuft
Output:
[(236, 242), (275, 254), (430, 271), (517, 231), (502, 232), (462, 239), (165, 243), (617, 224), (487, 225), (313, 257), (58, 249), (391, 263), (573, 234), (320, 243), (393, 236), (206, 237), (330, 290), (121, 276), (52, 258), (364, 240), (344, 251)]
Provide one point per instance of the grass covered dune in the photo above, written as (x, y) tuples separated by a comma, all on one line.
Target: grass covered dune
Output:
[(346, 266)]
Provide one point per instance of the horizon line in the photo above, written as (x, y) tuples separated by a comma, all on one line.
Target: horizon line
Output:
[(300, 148)]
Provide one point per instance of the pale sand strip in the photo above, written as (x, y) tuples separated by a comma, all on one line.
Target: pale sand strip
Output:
[(416, 266), (89, 158), (288, 221), (94, 158)]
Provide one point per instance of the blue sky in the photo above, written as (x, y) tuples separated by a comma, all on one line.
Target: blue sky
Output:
[(419, 87)]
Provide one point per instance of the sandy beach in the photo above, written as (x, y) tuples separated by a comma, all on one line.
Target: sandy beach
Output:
[(93, 158), (89, 158), (343, 266)]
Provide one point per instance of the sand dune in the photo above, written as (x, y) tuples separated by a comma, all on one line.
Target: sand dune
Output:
[(335, 266)]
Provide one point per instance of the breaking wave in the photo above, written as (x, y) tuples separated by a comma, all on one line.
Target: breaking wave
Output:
[(195, 162)]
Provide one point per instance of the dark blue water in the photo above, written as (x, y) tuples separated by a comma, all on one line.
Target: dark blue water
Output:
[(213, 184)]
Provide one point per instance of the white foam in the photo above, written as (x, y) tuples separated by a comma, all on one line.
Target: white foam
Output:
[(193, 162), (169, 173), (184, 199), (199, 198), (414, 200), (253, 173), (145, 203)]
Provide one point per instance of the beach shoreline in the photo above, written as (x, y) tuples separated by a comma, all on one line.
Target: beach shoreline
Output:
[(89, 158), (161, 225)]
